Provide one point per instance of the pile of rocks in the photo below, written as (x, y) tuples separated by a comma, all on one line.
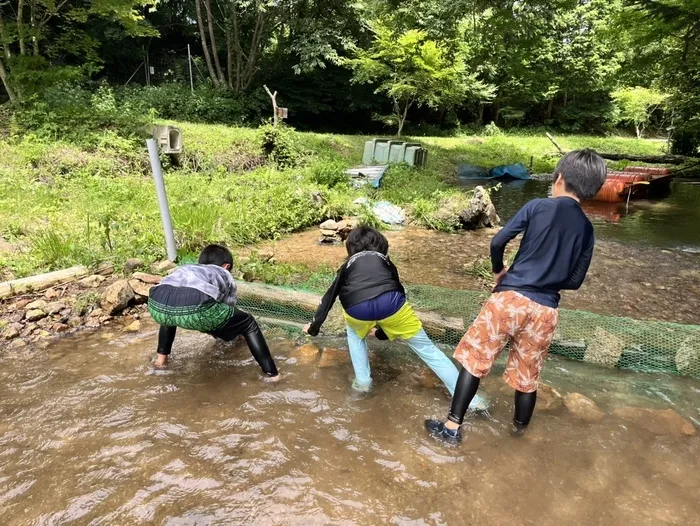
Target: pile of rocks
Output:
[(91, 302), (333, 232)]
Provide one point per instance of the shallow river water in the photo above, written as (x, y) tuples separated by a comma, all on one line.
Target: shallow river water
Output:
[(672, 222), (88, 437)]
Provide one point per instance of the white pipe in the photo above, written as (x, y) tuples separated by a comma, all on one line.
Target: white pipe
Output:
[(162, 199), (189, 62)]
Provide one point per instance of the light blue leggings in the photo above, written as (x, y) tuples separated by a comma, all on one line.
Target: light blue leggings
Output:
[(423, 346)]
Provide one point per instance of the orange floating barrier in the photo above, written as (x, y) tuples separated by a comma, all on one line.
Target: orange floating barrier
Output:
[(622, 186)]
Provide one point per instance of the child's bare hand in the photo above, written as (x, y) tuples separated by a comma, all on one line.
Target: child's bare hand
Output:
[(498, 277), (373, 332), (306, 328)]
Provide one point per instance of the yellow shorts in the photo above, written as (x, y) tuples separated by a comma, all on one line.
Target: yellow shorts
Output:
[(404, 324)]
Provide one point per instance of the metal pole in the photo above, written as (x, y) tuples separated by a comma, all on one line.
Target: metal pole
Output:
[(189, 63), (145, 65), (162, 199)]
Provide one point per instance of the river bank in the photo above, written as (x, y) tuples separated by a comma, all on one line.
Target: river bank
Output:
[(624, 280)]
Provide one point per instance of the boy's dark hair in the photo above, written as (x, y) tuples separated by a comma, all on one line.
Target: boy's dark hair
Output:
[(584, 172), (215, 255), (364, 238)]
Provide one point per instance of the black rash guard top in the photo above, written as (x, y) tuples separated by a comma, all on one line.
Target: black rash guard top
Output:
[(363, 277)]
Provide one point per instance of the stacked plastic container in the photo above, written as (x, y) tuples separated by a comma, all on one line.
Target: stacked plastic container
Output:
[(385, 151)]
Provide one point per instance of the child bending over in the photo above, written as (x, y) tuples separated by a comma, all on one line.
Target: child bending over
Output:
[(373, 298), (554, 255), (202, 298)]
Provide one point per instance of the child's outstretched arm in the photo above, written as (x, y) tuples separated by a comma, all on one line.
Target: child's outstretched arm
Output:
[(326, 304), (514, 227)]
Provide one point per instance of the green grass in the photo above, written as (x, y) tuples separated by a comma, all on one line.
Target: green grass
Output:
[(63, 204)]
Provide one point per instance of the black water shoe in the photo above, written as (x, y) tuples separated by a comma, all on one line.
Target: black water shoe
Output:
[(437, 429)]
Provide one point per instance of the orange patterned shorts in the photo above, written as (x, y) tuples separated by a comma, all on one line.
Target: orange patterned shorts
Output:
[(509, 317)]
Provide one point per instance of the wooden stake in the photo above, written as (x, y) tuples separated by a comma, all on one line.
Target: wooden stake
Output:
[(273, 97)]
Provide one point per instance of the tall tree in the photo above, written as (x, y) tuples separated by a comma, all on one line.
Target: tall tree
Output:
[(411, 69), (309, 32), (56, 31), (663, 37)]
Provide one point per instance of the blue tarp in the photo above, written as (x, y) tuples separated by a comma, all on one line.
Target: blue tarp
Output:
[(513, 171)]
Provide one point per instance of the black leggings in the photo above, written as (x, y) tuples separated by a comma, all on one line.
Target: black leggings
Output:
[(240, 324), (468, 384)]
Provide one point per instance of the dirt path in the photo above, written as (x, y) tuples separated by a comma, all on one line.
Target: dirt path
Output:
[(624, 280)]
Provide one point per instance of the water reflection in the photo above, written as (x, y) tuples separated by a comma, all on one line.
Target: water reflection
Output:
[(673, 222)]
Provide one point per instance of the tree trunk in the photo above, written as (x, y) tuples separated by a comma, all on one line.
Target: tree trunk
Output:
[(229, 57), (41, 282), (652, 159), (212, 40), (638, 130), (3, 39), (550, 108), (252, 58), (482, 108), (205, 46), (35, 38), (6, 82), (237, 49), (20, 27)]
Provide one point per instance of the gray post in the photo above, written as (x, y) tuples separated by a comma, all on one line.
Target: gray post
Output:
[(189, 63), (162, 199)]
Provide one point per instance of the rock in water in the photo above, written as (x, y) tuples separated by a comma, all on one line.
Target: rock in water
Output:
[(480, 213), (116, 297), (657, 421), (141, 290), (135, 326), (583, 407), (548, 398), (460, 211), (331, 357), (306, 354)]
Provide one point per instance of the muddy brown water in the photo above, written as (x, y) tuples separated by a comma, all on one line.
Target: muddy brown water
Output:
[(88, 437)]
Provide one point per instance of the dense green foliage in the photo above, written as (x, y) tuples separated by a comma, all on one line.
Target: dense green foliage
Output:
[(63, 203), (432, 66)]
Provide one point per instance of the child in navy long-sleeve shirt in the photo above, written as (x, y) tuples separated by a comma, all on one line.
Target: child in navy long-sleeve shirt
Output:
[(554, 255)]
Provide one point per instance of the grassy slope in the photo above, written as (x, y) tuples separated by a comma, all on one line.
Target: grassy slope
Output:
[(63, 204)]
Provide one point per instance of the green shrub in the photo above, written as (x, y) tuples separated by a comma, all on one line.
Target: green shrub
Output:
[(281, 145), (491, 130), (328, 173), (67, 111), (207, 104)]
